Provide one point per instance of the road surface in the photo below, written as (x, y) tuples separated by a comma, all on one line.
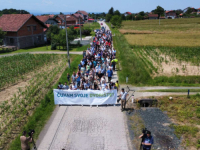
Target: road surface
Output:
[(85, 128)]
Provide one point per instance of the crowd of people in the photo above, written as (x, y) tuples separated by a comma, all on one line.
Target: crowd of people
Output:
[(95, 70)]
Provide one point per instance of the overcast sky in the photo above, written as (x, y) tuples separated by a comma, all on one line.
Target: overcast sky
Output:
[(133, 6)]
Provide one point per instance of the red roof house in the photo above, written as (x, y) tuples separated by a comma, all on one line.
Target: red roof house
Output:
[(127, 13), (83, 13), (22, 30), (48, 20), (171, 14), (153, 16)]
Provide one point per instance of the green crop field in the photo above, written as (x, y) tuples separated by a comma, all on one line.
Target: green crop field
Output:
[(29, 106), (171, 32), (150, 65)]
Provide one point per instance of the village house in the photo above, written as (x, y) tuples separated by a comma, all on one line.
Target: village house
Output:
[(48, 20), (127, 13), (84, 14), (77, 16), (70, 20), (22, 30), (170, 14), (153, 16), (198, 11)]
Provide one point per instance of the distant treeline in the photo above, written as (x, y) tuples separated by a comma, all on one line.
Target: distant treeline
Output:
[(13, 11)]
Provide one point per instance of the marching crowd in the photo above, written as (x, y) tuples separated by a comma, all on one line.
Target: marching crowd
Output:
[(96, 69)]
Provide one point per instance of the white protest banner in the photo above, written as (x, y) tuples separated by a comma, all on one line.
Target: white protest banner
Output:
[(89, 97)]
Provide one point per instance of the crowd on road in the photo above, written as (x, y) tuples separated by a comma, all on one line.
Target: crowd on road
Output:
[(95, 70)]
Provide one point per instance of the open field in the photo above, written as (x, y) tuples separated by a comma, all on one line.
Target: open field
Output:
[(25, 105), (185, 115), (171, 32), (149, 65)]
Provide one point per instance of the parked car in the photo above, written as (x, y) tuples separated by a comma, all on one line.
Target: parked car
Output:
[(101, 23)]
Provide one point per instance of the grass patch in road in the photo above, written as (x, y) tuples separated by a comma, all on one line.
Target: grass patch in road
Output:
[(43, 112), (172, 32), (185, 113), (171, 90)]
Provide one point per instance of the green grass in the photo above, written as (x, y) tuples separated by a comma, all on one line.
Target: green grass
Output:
[(43, 112), (48, 49), (171, 32), (185, 113), (139, 70), (171, 90), (92, 26), (167, 25)]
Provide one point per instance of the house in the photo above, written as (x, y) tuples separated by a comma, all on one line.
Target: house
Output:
[(22, 30), (198, 11), (84, 14), (153, 16), (127, 13), (70, 20), (77, 16), (170, 14), (48, 20)]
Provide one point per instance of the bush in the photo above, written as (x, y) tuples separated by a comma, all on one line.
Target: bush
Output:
[(86, 31), (53, 46)]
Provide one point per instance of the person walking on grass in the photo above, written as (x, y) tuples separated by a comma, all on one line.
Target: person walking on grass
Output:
[(123, 96)]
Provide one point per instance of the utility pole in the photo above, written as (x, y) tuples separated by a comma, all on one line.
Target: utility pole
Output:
[(80, 28), (67, 43)]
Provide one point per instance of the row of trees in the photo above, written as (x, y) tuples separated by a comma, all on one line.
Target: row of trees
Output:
[(13, 11), (57, 36), (115, 17)]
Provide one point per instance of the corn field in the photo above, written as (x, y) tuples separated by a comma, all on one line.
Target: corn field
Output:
[(15, 112)]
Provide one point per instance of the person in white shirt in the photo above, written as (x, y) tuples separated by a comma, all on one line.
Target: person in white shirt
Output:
[(106, 89), (65, 87), (70, 88), (74, 87), (103, 86), (123, 96)]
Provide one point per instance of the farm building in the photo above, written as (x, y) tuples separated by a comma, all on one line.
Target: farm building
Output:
[(153, 16), (170, 14), (22, 30)]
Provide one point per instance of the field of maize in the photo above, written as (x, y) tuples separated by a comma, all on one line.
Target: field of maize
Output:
[(15, 112)]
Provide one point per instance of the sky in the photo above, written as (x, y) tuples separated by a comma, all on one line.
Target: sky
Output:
[(133, 6)]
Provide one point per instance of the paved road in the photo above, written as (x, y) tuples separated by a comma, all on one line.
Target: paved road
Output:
[(85, 128)]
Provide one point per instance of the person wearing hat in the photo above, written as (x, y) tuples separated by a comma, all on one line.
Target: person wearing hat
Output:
[(147, 140), (123, 96)]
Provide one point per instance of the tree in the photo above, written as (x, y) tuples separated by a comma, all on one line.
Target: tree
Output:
[(159, 10), (111, 11), (178, 11), (108, 17), (116, 21), (52, 30), (141, 13), (139, 17), (117, 13), (2, 34), (123, 17), (189, 10)]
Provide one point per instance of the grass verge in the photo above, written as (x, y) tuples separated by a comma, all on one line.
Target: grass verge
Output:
[(185, 113), (43, 112)]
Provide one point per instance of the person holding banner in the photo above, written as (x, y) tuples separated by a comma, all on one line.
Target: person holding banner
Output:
[(123, 96)]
